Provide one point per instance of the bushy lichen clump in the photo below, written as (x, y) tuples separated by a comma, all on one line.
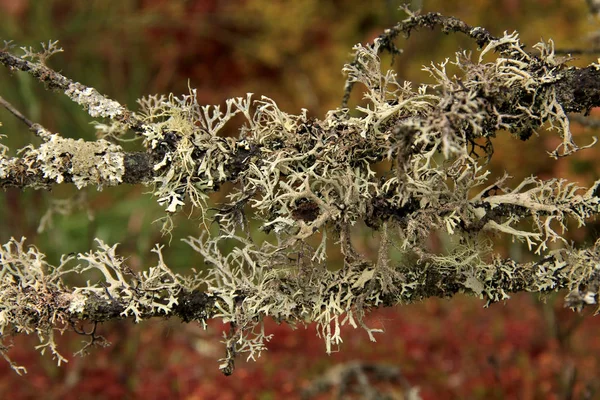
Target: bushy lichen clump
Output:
[(305, 178)]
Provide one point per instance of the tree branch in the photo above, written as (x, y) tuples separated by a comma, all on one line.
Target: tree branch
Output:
[(87, 97)]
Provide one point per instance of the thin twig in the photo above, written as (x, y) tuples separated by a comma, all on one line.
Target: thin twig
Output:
[(16, 112), (34, 127), (88, 97), (429, 20)]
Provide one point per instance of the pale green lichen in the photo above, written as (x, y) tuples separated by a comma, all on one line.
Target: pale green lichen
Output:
[(48, 50), (185, 134), (140, 292), (96, 104), (85, 163)]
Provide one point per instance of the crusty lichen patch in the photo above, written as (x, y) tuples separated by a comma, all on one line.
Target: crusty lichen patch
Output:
[(97, 163), (96, 104)]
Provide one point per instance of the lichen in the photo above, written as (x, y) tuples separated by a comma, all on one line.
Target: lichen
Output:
[(84, 163), (96, 104), (308, 182)]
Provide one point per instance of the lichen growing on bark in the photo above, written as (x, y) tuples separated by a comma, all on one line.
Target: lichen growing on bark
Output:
[(308, 182)]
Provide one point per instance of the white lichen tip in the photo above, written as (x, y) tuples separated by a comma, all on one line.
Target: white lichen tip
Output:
[(96, 104)]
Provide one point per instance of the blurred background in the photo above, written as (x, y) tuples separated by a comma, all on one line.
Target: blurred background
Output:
[(293, 52)]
